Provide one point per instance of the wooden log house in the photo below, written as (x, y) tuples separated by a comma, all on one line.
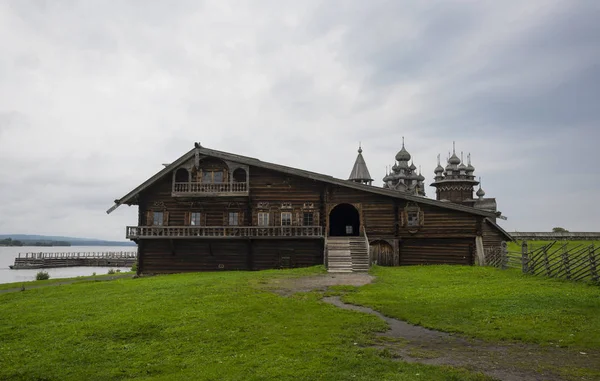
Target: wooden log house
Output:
[(213, 210)]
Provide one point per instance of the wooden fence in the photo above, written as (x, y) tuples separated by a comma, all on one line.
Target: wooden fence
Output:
[(49, 260), (556, 260)]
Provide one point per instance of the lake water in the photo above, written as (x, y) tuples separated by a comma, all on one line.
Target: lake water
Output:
[(8, 255)]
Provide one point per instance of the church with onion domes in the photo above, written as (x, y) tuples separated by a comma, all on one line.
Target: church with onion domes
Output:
[(454, 183)]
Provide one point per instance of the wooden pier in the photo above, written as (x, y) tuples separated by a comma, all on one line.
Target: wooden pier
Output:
[(71, 259)]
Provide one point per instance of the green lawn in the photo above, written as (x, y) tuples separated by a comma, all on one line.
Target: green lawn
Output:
[(201, 326), (552, 260), (487, 303), (532, 245), (37, 283)]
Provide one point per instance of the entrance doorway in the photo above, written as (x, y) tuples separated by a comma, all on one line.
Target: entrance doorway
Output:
[(382, 253), (344, 221)]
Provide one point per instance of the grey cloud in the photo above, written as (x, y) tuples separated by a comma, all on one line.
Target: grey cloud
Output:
[(96, 97)]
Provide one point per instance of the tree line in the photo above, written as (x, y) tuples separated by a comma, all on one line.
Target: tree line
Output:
[(16, 242)]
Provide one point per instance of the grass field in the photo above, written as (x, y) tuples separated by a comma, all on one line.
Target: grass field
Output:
[(550, 262), (532, 245), (487, 303), (203, 326), (38, 283)]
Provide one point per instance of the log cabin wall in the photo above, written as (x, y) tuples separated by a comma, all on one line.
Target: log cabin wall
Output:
[(270, 192), (456, 251), (275, 193), (440, 235), (491, 236)]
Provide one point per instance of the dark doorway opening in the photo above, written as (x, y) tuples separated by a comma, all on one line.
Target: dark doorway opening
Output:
[(344, 221)]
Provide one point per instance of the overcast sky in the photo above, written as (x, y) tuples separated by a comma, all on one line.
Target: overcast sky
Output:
[(96, 95)]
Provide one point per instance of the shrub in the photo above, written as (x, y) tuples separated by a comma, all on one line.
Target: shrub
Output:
[(134, 267), (94, 273), (111, 271), (42, 275), (118, 270)]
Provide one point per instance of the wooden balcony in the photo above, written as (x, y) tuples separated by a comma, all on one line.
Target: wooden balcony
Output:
[(191, 189), (221, 232)]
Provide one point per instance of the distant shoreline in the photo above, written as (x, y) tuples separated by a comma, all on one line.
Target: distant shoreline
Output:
[(18, 240)]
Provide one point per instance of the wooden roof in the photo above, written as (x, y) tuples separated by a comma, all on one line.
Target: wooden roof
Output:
[(359, 170), (504, 232), (127, 199)]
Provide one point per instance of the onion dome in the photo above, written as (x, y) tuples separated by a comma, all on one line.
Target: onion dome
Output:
[(454, 159), (470, 168), (420, 177), (412, 166), (480, 193), (403, 154), (439, 169)]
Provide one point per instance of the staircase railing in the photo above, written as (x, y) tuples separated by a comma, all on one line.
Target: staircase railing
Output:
[(367, 245)]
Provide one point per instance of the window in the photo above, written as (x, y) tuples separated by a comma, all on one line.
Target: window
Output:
[(413, 218), (212, 176), (349, 229), (308, 219), (158, 218), (263, 219), (195, 219), (286, 219), (233, 218)]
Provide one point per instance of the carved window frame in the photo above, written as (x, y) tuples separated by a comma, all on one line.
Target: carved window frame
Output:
[(263, 218), (412, 212), (157, 207), (191, 221), (263, 207), (309, 207), (287, 217)]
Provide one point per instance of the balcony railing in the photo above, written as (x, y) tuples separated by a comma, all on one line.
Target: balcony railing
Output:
[(157, 232), (209, 189)]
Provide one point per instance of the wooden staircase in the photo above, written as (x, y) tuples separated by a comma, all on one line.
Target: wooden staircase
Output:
[(347, 254)]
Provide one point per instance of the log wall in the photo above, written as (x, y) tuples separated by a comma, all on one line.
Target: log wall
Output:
[(174, 256), (437, 251), (491, 236)]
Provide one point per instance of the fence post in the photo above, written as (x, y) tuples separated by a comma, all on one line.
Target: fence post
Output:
[(504, 255), (566, 264), (592, 259), (524, 257), (546, 261)]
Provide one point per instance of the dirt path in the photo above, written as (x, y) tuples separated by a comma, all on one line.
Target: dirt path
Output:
[(411, 343)]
